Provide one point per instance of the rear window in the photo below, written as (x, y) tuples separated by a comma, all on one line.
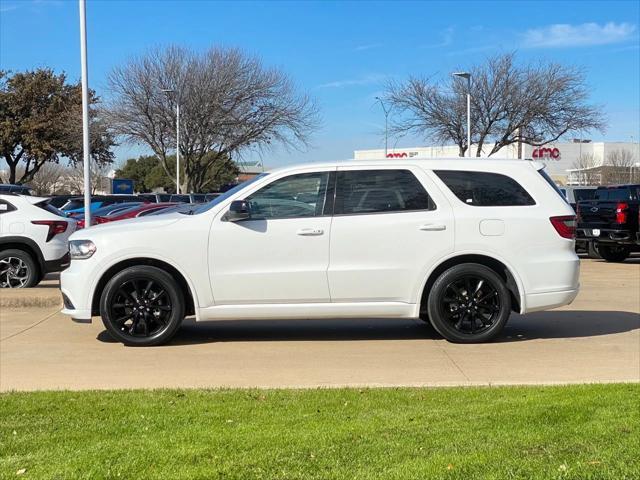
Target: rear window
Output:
[(379, 191), (50, 208), (584, 194), (482, 189), (615, 194)]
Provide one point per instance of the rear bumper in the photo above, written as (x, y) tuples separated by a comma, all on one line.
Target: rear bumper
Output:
[(57, 265), (609, 235), (545, 301)]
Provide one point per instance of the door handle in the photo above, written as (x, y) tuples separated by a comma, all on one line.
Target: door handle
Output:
[(310, 232), (432, 227)]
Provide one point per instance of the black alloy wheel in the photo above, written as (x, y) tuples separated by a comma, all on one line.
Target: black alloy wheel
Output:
[(469, 303), (142, 306), (614, 253)]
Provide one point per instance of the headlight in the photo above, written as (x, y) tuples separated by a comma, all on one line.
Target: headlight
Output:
[(81, 249)]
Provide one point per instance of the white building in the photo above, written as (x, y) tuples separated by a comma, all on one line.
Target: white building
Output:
[(568, 163)]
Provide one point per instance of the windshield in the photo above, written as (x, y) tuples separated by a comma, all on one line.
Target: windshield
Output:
[(206, 206)]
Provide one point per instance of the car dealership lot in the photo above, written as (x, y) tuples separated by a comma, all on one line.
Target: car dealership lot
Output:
[(596, 339)]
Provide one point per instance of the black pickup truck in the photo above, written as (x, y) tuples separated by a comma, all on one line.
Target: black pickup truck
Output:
[(611, 221)]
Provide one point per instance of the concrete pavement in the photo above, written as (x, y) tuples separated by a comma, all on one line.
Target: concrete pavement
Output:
[(596, 339)]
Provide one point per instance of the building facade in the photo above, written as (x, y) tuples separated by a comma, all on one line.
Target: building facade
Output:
[(579, 162)]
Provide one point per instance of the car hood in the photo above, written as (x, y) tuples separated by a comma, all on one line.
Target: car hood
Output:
[(124, 226)]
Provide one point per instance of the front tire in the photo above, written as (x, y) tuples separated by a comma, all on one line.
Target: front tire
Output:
[(469, 303), (18, 269), (614, 253), (142, 306)]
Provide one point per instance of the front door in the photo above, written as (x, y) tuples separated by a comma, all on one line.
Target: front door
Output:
[(281, 253)]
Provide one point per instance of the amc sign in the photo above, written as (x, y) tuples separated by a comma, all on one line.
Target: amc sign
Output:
[(402, 154), (542, 152)]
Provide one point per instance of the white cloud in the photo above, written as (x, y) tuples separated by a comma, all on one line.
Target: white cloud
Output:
[(370, 79), (583, 35)]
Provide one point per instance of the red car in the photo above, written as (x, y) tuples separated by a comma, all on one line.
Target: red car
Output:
[(133, 212)]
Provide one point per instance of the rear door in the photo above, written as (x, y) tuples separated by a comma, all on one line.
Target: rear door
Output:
[(390, 225)]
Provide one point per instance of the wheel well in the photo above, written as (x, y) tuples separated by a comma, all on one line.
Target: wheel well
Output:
[(495, 265), (25, 247), (118, 267)]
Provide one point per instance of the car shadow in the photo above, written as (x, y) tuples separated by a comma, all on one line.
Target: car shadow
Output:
[(541, 325)]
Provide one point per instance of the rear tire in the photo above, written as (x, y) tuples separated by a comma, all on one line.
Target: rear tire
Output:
[(142, 306), (18, 269), (614, 253), (469, 303), (592, 250)]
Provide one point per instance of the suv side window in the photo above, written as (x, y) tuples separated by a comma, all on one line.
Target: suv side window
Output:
[(6, 207), (482, 189), (379, 191), (295, 196)]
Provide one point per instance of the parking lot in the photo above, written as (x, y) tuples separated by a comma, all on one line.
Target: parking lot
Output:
[(596, 339)]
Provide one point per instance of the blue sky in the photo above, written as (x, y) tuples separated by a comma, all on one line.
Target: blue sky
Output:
[(342, 53)]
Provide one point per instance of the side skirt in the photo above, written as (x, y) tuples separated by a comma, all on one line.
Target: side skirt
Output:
[(270, 311)]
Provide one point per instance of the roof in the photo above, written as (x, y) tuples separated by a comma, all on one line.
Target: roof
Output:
[(442, 162)]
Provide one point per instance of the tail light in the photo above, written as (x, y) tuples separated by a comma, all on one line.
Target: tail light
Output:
[(565, 226), (55, 227), (99, 220), (621, 212)]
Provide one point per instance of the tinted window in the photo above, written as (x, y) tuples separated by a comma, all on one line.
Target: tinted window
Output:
[(482, 189), (624, 193), (583, 194), (376, 191), (180, 198), (294, 196)]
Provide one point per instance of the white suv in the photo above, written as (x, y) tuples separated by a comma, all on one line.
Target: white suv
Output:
[(33, 240), (459, 243)]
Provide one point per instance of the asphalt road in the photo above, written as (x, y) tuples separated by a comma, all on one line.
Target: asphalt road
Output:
[(596, 339)]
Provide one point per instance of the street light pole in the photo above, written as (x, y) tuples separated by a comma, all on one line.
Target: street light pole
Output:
[(168, 91), (467, 75), (386, 126), (85, 114)]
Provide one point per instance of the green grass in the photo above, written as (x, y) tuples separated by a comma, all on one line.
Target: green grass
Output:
[(578, 432)]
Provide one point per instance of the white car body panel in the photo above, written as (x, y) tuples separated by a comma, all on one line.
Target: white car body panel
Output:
[(361, 265)]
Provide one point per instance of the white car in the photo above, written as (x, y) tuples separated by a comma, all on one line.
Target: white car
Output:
[(33, 240), (459, 243)]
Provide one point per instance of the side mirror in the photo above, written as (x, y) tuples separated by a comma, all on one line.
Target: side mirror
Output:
[(238, 210)]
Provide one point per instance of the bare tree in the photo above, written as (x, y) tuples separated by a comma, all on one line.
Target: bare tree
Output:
[(229, 103), (74, 179), (619, 167), (532, 104), (49, 178)]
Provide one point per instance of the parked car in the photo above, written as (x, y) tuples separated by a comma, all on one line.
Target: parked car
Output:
[(33, 240), (76, 204), (453, 242), (154, 197), (573, 196), (59, 201), (180, 198), (611, 220), (140, 210), (104, 214), (14, 188)]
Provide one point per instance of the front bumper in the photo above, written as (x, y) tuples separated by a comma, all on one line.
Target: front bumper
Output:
[(76, 285)]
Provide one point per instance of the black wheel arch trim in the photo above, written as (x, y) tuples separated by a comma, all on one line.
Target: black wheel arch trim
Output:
[(488, 261), (141, 261)]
